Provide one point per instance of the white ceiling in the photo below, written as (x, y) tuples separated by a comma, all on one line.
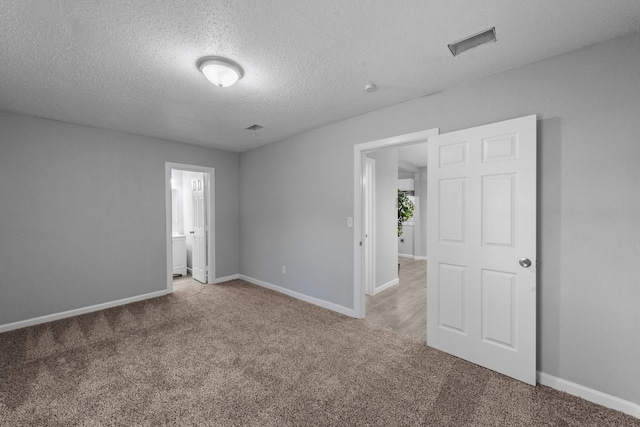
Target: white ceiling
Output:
[(415, 154), (130, 65)]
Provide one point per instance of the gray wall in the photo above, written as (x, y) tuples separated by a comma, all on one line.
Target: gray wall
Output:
[(404, 174), (420, 243), (386, 216), (588, 107), (293, 211), (82, 214), (406, 247)]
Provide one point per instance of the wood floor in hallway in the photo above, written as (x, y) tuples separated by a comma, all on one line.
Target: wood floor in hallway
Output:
[(402, 307), (183, 282)]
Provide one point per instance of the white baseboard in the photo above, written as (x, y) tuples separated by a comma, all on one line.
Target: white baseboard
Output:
[(420, 258), (405, 255), (386, 285), (226, 278), (297, 295), (57, 316), (590, 394)]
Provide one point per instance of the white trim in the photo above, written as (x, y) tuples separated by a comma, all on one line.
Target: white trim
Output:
[(78, 311), (210, 175), (420, 258), (590, 394), (226, 278), (370, 287), (386, 286), (406, 256), (358, 153), (297, 295)]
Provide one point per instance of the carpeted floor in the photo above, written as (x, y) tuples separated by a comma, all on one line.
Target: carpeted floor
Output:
[(237, 354)]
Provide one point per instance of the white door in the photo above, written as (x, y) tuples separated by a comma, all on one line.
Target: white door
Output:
[(481, 213), (199, 255), (369, 225)]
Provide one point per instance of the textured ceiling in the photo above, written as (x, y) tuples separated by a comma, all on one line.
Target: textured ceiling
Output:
[(130, 65)]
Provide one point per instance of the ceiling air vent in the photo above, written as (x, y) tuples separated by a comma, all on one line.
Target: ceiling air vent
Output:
[(473, 41)]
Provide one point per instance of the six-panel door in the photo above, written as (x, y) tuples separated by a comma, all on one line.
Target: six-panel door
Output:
[(481, 303)]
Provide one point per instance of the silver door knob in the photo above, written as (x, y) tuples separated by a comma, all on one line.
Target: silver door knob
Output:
[(525, 262)]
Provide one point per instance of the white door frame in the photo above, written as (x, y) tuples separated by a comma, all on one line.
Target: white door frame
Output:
[(369, 212), (209, 178), (359, 150)]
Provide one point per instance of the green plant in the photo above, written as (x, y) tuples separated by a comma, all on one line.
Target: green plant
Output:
[(405, 210)]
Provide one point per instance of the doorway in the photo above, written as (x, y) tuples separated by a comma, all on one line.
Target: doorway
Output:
[(395, 281), (360, 151), (190, 226), (482, 240)]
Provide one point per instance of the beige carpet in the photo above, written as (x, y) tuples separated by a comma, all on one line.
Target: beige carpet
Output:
[(237, 354)]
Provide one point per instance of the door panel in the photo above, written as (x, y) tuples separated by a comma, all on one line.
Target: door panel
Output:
[(498, 307), (498, 210), (452, 302), (199, 257), (481, 302), (452, 210)]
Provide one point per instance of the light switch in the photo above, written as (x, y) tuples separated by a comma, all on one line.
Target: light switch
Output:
[(349, 222)]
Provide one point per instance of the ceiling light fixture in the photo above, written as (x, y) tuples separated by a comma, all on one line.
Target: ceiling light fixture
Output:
[(254, 128), (370, 87), (222, 72), (475, 40)]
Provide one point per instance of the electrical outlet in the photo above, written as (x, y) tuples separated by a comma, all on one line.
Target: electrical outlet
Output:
[(284, 269)]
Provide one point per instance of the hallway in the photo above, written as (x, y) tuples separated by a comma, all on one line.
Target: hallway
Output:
[(402, 307)]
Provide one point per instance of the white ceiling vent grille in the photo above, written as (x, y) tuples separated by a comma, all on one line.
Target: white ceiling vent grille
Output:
[(473, 41)]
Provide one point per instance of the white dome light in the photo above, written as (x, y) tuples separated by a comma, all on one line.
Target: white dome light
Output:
[(220, 71)]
